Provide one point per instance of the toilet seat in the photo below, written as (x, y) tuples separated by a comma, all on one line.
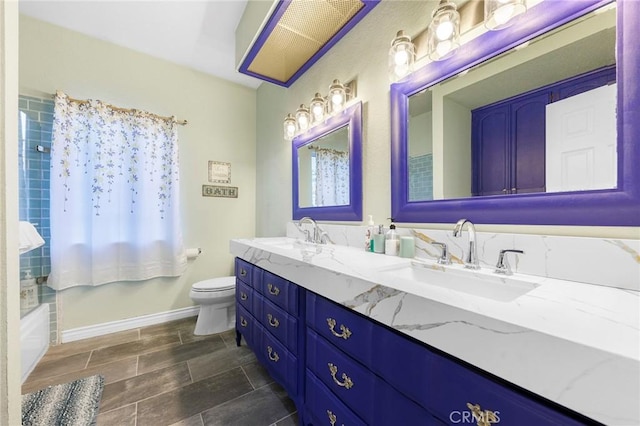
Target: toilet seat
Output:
[(214, 285)]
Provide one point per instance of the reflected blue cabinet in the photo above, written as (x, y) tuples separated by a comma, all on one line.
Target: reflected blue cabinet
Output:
[(508, 137), (342, 368)]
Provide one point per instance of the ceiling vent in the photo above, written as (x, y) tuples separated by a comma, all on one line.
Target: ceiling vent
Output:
[(297, 34)]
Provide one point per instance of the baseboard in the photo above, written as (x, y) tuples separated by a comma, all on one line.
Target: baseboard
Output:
[(127, 324)]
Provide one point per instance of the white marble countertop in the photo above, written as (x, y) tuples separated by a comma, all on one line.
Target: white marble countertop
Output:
[(576, 344)]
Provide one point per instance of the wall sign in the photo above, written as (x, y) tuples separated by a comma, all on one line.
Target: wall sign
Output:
[(219, 172), (220, 191)]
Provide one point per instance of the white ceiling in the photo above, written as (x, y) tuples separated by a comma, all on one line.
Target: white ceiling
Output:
[(197, 34)]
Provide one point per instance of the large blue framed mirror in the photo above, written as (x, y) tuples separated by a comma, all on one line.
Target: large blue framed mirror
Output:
[(327, 168), (473, 179)]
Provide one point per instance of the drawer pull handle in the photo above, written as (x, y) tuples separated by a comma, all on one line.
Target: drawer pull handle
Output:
[(243, 322), (346, 382), (332, 418), (345, 330), (273, 322), (273, 289), (484, 417), (243, 272), (273, 355), (243, 296)]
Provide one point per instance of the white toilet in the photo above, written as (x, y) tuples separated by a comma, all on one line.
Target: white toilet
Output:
[(216, 298)]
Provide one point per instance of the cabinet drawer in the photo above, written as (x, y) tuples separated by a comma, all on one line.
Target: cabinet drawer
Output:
[(323, 407), (280, 291), (245, 324), (281, 364), (368, 396), (244, 295), (244, 270), (459, 386), (277, 322), (344, 329)]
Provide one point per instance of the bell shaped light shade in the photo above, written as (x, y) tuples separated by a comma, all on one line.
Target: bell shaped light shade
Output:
[(317, 108), (289, 127), (443, 33), (337, 96), (302, 118), (499, 14), (402, 56)]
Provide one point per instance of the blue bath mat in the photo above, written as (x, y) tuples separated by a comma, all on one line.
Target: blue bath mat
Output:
[(69, 404)]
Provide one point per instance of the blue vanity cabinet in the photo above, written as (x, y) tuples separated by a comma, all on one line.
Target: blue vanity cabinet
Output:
[(269, 313), (341, 367)]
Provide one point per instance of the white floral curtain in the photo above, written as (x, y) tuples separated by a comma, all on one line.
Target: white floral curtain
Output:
[(114, 196), (332, 177)]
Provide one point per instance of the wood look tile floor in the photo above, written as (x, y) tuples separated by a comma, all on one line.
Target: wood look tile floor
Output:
[(164, 375)]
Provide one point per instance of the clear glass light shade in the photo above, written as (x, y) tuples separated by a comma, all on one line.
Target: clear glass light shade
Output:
[(402, 56), (289, 127), (317, 108), (303, 119), (443, 33), (499, 14), (337, 96)]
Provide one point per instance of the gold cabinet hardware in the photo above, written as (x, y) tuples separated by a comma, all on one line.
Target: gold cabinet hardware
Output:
[(273, 322), (484, 417), (345, 330), (346, 383), (332, 417), (273, 289), (273, 355), (243, 296), (243, 272), (243, 322)]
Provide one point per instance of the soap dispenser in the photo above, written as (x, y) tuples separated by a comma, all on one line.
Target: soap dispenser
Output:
[(392, 241)]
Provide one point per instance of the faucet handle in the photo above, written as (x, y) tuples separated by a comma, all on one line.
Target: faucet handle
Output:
[(445, 256), (502, 267)]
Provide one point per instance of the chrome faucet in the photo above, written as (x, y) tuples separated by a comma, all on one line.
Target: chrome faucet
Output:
[(471, 259), (307, 235), (445, 257), (502, 267)]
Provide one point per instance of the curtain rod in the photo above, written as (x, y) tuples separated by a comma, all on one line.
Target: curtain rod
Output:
[(115, 108)]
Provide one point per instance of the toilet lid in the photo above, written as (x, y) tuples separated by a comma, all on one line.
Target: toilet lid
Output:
[(215, 284)]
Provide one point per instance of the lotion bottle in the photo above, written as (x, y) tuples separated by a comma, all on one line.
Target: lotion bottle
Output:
[(392, 241)]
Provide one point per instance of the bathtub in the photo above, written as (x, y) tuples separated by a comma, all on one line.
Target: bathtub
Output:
[(34, 338)]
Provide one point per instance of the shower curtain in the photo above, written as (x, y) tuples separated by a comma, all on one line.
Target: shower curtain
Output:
[(332, 177), (114, 195)]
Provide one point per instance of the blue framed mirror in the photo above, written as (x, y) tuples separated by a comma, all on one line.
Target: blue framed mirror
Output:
[(617, 204), (327, 168)]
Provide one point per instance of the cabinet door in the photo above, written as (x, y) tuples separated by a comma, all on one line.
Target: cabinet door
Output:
[(490, 136), (585, 82), (528, 143)]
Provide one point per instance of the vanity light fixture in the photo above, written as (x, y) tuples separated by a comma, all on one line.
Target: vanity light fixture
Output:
[(443, 33), (499, 14), (302, 118), (319, 109), (289, 127), (402, 56), (337, 96)]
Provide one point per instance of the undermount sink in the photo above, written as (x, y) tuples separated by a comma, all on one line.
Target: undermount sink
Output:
[(286, 243), (480, 283)]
